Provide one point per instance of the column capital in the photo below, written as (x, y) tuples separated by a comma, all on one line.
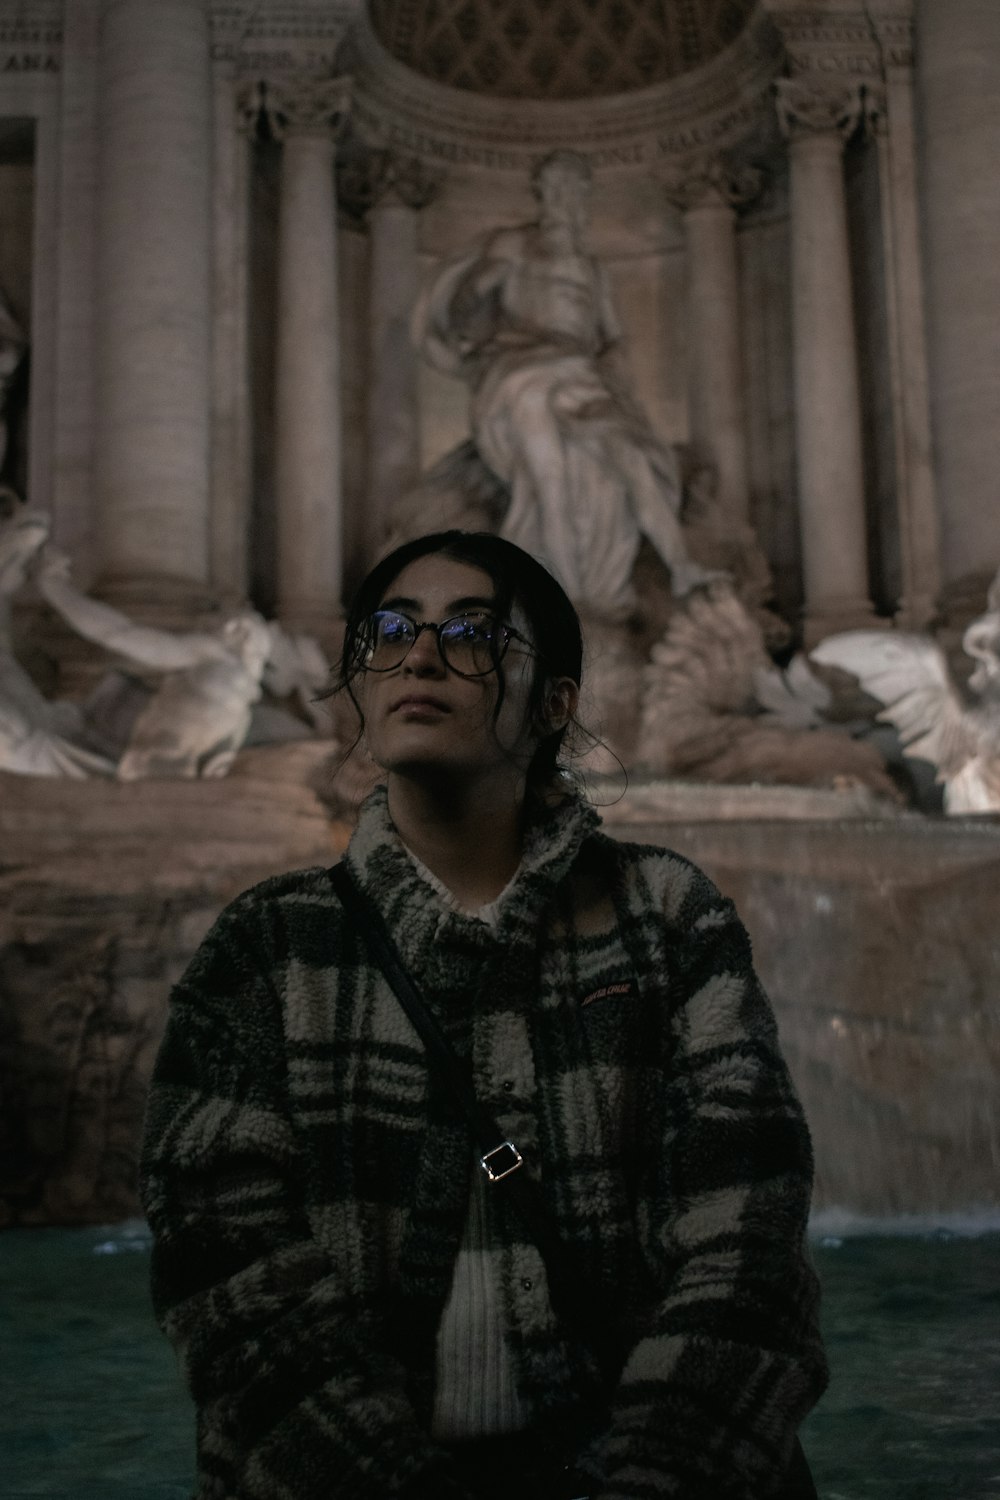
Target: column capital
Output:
[(709, 180), (808, 107), (401, 179), (876, 120), (306, 106), (367, 178)]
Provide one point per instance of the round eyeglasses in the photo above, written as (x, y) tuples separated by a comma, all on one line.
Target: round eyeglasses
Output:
[(471, 645)]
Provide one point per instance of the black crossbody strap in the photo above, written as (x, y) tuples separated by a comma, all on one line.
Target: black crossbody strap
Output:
[(486, 1132), (571, 1298)]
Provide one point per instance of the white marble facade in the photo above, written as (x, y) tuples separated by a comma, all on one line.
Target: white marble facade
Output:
[(215, 217)]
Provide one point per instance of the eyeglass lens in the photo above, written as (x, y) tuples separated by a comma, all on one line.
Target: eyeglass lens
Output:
[(470, 645)]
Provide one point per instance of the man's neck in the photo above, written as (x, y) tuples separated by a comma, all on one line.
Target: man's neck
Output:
[(470, 838)]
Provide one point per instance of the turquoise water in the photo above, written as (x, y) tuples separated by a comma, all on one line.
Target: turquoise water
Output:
[(91, 1407)]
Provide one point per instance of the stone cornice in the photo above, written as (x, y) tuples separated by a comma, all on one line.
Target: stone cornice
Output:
[(893, 23), (717, 105), (280, 37), (282, 20), (832, 39)]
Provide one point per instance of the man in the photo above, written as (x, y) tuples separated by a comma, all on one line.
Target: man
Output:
[(526, 319)]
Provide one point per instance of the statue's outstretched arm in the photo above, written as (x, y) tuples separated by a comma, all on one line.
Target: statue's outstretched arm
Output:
[(161, 650)]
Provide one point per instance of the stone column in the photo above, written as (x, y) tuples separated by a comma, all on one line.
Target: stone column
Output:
[(708, 194), (827, 399), (72, 504), (919, 531), (958, 64), (307, 118), (400, 189), (153, 304)]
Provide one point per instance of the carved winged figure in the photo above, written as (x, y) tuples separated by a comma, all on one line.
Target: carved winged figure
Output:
[(909, 674), (716, 708)]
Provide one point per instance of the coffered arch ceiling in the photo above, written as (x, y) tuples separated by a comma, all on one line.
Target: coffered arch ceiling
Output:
[(556, 49)]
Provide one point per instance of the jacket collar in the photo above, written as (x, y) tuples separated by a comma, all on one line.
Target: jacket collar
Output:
[(418, 914)]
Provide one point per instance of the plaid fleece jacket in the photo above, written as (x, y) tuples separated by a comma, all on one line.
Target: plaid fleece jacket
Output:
[(307, 1190)]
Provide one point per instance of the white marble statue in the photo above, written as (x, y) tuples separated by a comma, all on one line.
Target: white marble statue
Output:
[(200, 711), (526, 319), (296, 669), (909, 674), (37, 737), (716, 708)]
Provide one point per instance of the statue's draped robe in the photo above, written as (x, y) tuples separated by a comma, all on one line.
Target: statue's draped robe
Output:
[(530, 333)]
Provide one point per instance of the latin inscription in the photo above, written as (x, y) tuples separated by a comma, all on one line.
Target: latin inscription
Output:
[(262, 61), (29, 62), (641, 150)]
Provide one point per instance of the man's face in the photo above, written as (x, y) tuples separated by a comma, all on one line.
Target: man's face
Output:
[(565, 196)]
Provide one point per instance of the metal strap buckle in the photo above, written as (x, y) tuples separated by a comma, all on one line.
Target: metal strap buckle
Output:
[(501, 1161)]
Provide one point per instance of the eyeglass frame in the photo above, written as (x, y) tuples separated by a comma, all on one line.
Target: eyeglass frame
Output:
[(508, 631)]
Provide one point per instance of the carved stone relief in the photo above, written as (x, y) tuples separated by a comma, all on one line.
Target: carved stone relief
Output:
[(709, 177), (807, 106), (306, 106)]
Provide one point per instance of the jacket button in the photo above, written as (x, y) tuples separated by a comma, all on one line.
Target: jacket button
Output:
[(527, 1283), (508, 1085)]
